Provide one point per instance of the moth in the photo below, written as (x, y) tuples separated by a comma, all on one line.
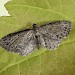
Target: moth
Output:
[(26, 41)]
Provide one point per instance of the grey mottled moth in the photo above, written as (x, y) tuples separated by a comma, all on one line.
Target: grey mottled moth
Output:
[(48, 36)]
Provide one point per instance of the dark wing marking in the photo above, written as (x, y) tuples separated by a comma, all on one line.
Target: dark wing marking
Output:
[(22, 42), (53, 33)]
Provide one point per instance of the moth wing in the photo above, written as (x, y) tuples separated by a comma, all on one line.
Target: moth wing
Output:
[(22, 42), (53, 33)]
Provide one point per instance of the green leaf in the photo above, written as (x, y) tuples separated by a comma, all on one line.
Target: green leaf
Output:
[(41, 62)]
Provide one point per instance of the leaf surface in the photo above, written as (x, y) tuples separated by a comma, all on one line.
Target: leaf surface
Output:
[(42, 62)]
